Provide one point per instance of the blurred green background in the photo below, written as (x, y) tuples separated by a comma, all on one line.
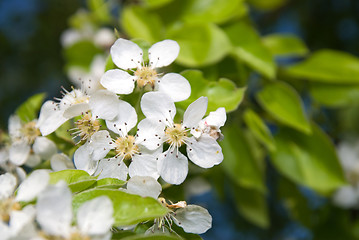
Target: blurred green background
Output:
[(257, 195)]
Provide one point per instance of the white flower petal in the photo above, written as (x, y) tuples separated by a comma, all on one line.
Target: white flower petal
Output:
[(144, 186), (175, 86), (60, 162), (163, 53), (95, 217), (346, 197), (19, 220), (14, 126), (19, 152), (125, 120), (143, 165), (21, 174), (216, 118), (118, 81), (76, 110), (7, 185), (83, 161), (205, 152), (51, 118), (33, 185), (33, 160), (158, 106), (54, 210), (126, 54), (172, 169), (104, 104), (193, 219), (150, 134), (112, 168), (195, 112), (104, 37), (44, 147), (101, 144)]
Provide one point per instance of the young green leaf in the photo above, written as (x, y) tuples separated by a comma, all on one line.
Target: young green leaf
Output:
[(201, 44), (259, 129), (285, 45), (284, 104), (310, 160), (139, 23), (128, 209), (29, 109), (240, 161), (222, 93), (248, 48), (327, 66)]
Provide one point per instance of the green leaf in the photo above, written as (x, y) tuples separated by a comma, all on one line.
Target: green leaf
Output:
[(152, 237), (139, 23), (333, 95), (69, 176), (327, 66), (128, 209), (109, 63), (78, 180), (259, 129), (240, 162), (154, 3), (267, 4), (29, 109), (285, 45), (110, 183), (100, 10), (284, 104), (81, 54), (222, 93), (252, 205), (201, 44), (248, 48), (309, 160), (215, 11)]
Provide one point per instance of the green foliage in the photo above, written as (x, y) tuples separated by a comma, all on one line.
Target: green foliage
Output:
[(309, 160), (201, 44), (241, 164), (333, 95), (128, 209), (285, 45), (259, 129), (283, 103), (110, 183), (267, 4), (327, 66), (222, 93), (248, 48), (139, 23), (29, 109), (216, 11), (77, 180), (252, 205), (81, 54)]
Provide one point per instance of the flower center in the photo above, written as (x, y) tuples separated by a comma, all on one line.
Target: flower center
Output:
[(6, 206), (176, 135), (146, 76), (87, 126), (30, 132), (126, 147), (78, 236)]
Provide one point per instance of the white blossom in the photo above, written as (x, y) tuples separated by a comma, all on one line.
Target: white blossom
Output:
[(54, 214), (202, 150), (128, 55)]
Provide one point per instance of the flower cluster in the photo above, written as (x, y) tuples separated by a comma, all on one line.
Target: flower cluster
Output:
[(124, 126)]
